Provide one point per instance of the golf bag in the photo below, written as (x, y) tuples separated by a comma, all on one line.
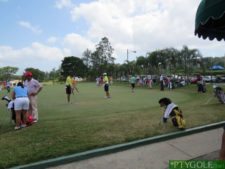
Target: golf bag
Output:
[(177, 118), (219, 93), (10, 106)]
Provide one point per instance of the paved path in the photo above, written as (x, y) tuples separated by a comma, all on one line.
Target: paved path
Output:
[(204, 145)]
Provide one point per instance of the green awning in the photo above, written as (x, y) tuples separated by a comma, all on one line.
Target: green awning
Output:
[(210, 19)]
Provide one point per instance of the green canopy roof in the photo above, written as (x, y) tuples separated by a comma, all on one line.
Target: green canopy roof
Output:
[(210, 19)]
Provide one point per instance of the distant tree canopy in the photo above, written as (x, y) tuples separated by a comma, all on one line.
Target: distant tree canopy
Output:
[(54, 74), (6, 73), (93, 63), (101, 60), (37, 74), (73, 65)]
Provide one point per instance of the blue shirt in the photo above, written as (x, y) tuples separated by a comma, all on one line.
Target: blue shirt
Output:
[(20, 92)]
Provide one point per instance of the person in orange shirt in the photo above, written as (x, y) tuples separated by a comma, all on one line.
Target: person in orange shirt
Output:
[(74, 85)]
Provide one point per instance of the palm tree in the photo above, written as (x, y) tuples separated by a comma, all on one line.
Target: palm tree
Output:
[(189, 59)]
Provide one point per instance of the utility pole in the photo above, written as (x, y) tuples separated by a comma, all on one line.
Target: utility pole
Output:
[(133, 51)]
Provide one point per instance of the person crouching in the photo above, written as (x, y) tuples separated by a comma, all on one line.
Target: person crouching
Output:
[(21, 105), (172, 111)]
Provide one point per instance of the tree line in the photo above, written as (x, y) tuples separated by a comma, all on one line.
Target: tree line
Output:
[(93, 63)]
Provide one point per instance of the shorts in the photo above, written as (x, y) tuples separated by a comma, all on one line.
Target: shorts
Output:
[(132, 85), (21, 103), (68, 89), (106, 87)]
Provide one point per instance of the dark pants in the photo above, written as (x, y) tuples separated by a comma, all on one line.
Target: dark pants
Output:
[(106, 87), (161, 85), (200, 88), (68, 89)]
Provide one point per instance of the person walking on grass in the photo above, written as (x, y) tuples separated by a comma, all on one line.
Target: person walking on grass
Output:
[(106, 85), (161, 80), (132, 82), (34, 87), (21, 105), (74, 85), (69, 83), (8, 86)]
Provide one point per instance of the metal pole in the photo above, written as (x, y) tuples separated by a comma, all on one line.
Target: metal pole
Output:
[(127, 56)]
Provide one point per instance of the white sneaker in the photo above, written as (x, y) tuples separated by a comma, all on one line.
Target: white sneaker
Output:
[(16, 127), (35, 121)]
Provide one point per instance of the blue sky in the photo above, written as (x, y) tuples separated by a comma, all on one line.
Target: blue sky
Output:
[(40, 33), (46, 19)]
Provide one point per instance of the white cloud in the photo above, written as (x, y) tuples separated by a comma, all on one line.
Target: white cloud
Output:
[(63, 3), (44, 57), (29, 26), (144, 26), (105, 18), (141, 25), (75, 44), (37, 55)]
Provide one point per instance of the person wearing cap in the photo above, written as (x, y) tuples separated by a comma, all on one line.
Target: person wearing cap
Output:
[(106, 84), (34, 87)]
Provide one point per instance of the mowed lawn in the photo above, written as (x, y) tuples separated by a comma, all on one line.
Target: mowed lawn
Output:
[(92, 121)]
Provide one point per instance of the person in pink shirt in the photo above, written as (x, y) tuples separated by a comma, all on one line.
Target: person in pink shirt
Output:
[(34, 87)]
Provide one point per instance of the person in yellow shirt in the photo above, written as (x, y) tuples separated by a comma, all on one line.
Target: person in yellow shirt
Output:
[(68, 87), (106, 84)]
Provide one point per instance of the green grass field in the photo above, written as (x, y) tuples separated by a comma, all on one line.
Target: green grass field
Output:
[(92, 121)]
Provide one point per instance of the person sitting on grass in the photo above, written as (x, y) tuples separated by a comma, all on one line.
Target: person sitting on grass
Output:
[(172, 111)]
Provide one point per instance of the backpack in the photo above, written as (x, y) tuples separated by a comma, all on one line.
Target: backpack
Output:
[(177, 119)]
